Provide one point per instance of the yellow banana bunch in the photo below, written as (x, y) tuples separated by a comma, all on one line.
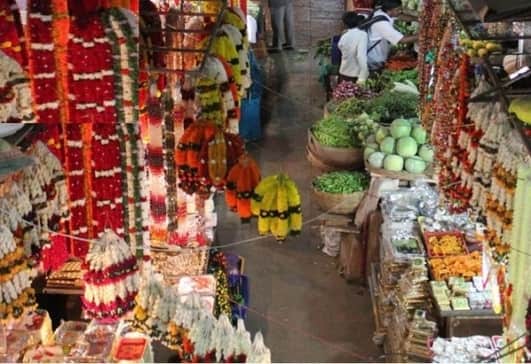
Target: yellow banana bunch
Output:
[(276, 202)]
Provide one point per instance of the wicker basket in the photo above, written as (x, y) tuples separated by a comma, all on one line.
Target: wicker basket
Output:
[(316, 163), (338, 158), (338, 203)]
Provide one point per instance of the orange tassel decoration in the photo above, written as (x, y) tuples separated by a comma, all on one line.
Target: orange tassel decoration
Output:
[(241, 182)]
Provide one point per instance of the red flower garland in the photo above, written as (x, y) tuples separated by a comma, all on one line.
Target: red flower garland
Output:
[(12, 41), (106, 180), (91, 78), (42, 61)]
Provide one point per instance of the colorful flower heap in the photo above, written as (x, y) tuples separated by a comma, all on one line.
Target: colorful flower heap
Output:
[(277, 203), (16, 294), (111, 278)]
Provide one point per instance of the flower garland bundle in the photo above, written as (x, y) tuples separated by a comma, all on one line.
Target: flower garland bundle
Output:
[(60, 33), (12, 42), (134, 194), (499, 204), (77, 190), (45, 185), (217, 156), (215, 340), (219, 71), (235, 27), (125, 54), (15, 92), (241, 182), (157, 183), (210, 100), (195, 39), (149, 15), (187, 157), (17, 202), (42, 61), (223, 47), (233, 116), (106, 180), (174, 39), (277, 203), (111, 278), (16, 294), (91, 80), (169, 160)]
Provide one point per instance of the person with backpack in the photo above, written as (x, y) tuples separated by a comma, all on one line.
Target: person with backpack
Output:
[(382, 33), (353, 47)]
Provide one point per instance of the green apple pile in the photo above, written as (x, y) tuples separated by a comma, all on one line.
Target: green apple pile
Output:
[(401, 146)]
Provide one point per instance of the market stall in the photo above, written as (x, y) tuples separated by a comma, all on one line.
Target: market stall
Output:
[(119, 216), (444, 138)]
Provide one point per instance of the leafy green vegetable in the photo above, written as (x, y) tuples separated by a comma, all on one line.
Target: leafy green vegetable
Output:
[(339, 132), (391, 105), (342, 182)]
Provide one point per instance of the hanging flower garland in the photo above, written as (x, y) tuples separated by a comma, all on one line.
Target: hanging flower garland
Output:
[(277, 203), (12, 42), (106, 180), (91, 79), (157, 183), (241, 182), (77, 190), (112, 278), (233, 117), (16, 294), (125, 65), (210, 100), (15, 92), (187, 157), (222, 46), (217, 157), (42, 60), (235, 27)]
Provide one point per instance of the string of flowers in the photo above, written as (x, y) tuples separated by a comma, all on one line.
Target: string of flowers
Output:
[(169, 162), (42, 64), (106, 180), (156, 171), (60, 31), (91, 79)]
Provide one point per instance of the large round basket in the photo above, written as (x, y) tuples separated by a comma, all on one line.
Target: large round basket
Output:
[(341, 158), (316, 163), (338, 203)]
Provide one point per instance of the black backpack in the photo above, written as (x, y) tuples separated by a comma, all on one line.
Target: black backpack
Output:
[(366, 26)]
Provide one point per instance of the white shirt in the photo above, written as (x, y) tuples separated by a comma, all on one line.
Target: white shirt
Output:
[(384, 32), (353, 46), (252, 28)]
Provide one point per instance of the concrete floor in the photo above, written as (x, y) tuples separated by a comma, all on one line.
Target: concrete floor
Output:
[(305, 310)]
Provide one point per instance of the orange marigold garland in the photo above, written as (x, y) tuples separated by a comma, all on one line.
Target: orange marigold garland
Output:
[(241, 182)]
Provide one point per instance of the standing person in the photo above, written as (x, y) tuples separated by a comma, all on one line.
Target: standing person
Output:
[(353, 47), (282, 21), (382, 33)]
